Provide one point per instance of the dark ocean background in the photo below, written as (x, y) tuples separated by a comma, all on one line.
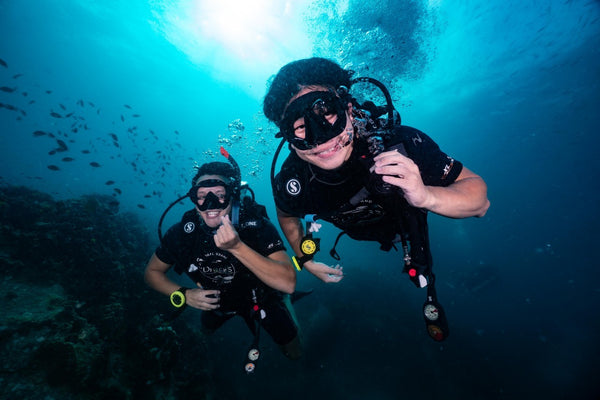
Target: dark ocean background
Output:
[(106, 106)]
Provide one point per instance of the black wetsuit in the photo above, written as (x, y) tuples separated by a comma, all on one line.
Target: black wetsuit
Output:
[(301, 189), (190, 247)]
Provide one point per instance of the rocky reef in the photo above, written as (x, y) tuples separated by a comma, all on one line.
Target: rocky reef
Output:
[(77, 320)]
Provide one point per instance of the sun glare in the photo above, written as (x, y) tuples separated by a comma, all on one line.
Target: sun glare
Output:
[(238, 36)]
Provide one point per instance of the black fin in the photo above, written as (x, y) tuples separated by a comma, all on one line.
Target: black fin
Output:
[(297, 295)]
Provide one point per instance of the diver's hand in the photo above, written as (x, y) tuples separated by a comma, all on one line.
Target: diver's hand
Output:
[(401, 171), (324, 272), (202, 299), (226, 237)]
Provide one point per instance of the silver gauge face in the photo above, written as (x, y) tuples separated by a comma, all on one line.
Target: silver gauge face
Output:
[(431, 312), (253, 355)]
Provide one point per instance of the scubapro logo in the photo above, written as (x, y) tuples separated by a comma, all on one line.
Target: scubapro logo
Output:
[(293, 187), (189, 227)]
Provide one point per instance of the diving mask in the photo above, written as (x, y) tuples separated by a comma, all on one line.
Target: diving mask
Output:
[(210, 201), (315, 107)]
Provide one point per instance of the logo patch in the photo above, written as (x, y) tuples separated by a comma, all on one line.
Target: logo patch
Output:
[(189, 227), (214, 266), (293, 187)]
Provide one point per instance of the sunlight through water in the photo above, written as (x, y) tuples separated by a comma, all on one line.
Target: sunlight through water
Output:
[(246, 41)]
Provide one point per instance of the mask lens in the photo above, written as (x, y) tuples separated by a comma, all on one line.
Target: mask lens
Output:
[(212, 201), (322, 108)]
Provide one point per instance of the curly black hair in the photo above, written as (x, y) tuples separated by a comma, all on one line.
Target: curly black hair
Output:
[(293, 76), (214, 168)]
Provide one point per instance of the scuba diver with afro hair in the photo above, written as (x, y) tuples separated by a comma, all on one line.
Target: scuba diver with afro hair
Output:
[(356, 166)]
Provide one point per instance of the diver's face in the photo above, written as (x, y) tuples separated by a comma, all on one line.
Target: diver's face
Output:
[(333, 153), (212, 216)]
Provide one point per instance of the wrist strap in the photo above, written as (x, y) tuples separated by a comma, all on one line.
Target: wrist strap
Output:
[(299, 262)]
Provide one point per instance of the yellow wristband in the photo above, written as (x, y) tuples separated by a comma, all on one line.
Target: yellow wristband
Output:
[(297, 264)]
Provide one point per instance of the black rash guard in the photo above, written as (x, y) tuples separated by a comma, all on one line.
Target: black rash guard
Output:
[(301, 188), (190, 247)]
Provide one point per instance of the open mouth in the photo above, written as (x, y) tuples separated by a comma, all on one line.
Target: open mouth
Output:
[(328, 149), (213, 214)]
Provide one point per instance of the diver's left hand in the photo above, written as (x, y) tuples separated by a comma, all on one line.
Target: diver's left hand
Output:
[(401, 171), (227, 237)]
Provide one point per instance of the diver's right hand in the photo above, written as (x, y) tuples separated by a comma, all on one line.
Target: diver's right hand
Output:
[(202, 299), (324, 272)]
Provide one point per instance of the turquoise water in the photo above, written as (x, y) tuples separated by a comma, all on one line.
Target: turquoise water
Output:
[(136, 93)]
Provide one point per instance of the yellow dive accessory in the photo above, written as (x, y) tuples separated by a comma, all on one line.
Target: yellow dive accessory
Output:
[(308, 246), (178, 297)]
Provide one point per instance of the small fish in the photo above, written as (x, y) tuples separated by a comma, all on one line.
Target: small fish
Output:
[(49, 91), (17, 76), (55, 115), (39, 133), (85, 151), (115, 138), (68, 159), (122, 118), (141, 206), (7, 89), (147, 196), (62, 106), (110, 183), (94, 164), (135, 115), (127, 106), (53, 168), (3, 63), (91, 104), (62, 145), (117, 190), (52, 152)]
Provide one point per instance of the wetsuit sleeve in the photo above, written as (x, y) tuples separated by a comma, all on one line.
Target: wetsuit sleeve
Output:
[(262, 236), (288, 191), (437, 168)]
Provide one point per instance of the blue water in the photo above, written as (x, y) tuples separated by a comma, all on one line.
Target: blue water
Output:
[(510, 88)]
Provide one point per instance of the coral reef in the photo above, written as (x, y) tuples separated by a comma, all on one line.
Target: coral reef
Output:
[(77, 320)]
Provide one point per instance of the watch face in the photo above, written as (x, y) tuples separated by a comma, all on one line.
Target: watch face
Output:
[(177, 299), (431, 312), (308, 246)]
